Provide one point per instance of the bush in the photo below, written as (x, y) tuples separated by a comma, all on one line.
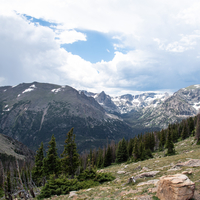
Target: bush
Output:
[(63, 185)]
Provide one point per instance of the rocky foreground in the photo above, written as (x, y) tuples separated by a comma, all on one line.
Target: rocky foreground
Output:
[(174, 177)]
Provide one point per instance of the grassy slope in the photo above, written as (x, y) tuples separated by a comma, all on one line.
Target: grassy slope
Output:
[(8, 148), (119, 189)]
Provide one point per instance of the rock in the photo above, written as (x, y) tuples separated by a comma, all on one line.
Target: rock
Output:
[(190, 163), (176, 187), (174, 168), (138, 168), (187, 172), (147, 174), (143, 197), (121, 172), (145, 169), (154, 182), (131, 180), (72, 193), (152, 190)]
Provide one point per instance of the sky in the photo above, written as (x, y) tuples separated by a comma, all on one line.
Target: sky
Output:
[(120, 47)]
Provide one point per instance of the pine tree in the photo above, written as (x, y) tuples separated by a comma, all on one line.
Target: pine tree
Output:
[(70, 161), (162, 140), (108, 157), (142, 153), (197, 132), (185, 131), (136, 155), (130, 147), (170, 145), (52, 161), (122, 153), (38, 170), (100, 158)]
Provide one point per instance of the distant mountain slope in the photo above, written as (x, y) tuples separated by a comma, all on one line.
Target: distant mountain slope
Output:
[(126, 103), (182, 104), (32, 112), (152, 110), (11, 147)]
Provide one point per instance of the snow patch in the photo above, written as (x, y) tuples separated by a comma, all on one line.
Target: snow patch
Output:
[(18, 95), (32, 86), (56, 90), (27, 90), (197, 86), (5, 90), (196, 106)]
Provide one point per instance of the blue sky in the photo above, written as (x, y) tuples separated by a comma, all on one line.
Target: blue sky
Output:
[(119, 47)]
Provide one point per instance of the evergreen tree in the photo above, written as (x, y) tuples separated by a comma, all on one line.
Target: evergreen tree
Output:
[(122, 153), (136, 155), (184, 133), (162, 140), (70, 160), (197, 132), (152, 142), (38, 170), (52, 161), (130, 147), (108, 157), (170, 145), (142, 153), (100, 161)]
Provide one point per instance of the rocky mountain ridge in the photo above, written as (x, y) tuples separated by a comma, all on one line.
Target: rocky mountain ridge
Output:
[(152, 109), (32, 112)]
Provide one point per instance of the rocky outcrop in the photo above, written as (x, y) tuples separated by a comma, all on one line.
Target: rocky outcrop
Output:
[(176, 187), (147, 174), (190, 163)]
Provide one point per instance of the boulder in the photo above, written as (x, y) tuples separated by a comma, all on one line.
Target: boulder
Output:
[(147, 174), (121, 172), (176, 187), (190, 163)]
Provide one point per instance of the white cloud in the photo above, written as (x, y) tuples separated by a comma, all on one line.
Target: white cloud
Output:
[(161, 38), (69, 36)]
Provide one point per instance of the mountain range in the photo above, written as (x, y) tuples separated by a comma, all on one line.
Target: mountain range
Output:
[(32, 112)]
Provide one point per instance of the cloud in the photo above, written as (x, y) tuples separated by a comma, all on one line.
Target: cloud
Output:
[(156, 44)]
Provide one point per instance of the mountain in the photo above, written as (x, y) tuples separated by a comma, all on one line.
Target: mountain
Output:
[(182, 104), (32, 112), (10, 149), (126, 103), (152, 110)]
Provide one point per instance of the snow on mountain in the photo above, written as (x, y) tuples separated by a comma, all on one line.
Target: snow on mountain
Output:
[(126, 103)]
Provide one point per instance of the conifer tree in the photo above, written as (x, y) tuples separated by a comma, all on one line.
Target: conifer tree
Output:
[(38, 170), (130, 147), (170, 145), (142, 153), (122, 153), (70, 160), (108, 157), (100, 158), (152, 142), (162, 140), (52, 161), (136, 150), (197, 132), (185, 130)]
